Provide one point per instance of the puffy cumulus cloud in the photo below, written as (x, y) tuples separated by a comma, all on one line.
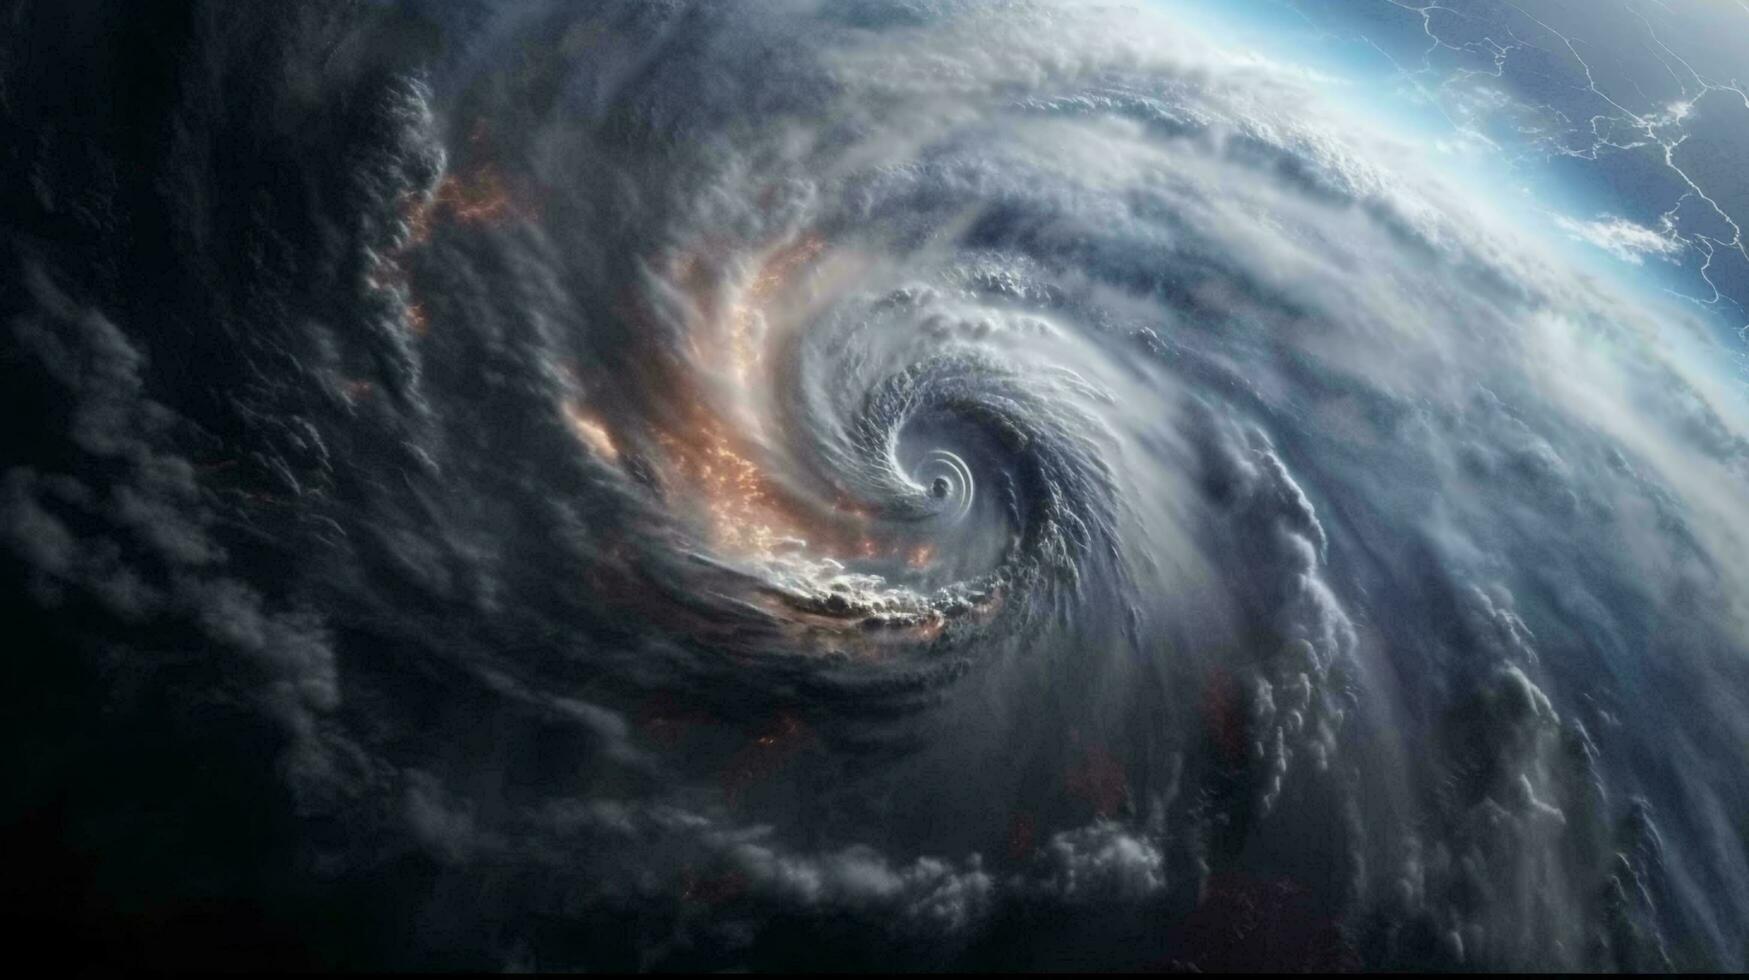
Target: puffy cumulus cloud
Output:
[(701, 883), (1102, 863), (928, 895), (1295, 697)]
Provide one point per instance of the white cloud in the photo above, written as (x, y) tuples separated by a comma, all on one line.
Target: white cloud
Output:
[(1621, 238)]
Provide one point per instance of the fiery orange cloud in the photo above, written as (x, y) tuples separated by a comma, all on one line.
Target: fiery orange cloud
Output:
[(589, 431)]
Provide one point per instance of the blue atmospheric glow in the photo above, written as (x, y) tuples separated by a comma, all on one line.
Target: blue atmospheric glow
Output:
[(1500, 169)]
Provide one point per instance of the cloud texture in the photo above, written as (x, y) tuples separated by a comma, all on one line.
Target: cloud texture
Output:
[(873, 484)]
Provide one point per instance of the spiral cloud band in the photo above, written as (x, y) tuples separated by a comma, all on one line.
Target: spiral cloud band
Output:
[(841, 483)]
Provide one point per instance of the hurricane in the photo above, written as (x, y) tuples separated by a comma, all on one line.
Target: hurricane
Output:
[(842, 484)]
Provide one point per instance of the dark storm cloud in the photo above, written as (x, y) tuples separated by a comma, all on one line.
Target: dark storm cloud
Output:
[(138, 543), (1304, 534)]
